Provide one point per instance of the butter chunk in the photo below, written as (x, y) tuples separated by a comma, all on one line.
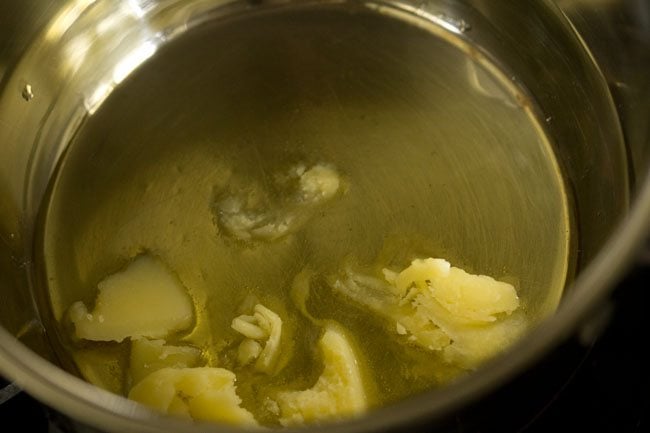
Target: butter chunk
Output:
[(148, 356), (263, 326), (143, 300), (339, 391), (438, 307), (202, 394), (474, 298), (319, 183), (248, 351), (418, 273), (254, 211)]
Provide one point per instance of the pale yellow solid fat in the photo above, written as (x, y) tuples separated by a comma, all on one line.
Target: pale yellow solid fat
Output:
[(476, 298), (469, 318), (319, 183), (144, 300), (472, 312), (274, 220), (203, 393), (248, 351), (264, 326), (148, 356), (339, 391)]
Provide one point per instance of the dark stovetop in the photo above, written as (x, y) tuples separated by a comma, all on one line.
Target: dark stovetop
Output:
[(607, 390)]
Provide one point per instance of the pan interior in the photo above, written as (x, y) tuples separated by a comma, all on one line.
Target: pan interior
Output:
[(440, 155)]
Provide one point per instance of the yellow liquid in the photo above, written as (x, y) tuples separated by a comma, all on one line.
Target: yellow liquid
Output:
[(437, 154)]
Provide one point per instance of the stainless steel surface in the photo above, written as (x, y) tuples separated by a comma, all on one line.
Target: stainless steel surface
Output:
[(617, 33), (59, 61), (8, 391), (439, 159)]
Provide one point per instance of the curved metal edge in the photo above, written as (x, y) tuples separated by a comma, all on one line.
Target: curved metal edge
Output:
[(44, 379), (9, 392)]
